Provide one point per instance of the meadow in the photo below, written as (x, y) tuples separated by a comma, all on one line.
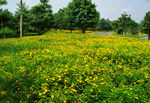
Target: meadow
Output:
[(60, 67)]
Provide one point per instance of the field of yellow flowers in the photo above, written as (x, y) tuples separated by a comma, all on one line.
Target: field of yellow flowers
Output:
[(61, 67)]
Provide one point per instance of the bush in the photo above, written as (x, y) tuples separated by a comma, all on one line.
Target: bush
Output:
[(8, 32)]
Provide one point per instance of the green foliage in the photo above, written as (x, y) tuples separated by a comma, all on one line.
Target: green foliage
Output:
[(8, 32), (133, 28), (125, 24), (26, 18), (139, 35), (42, 18), (3, 2), (45, 2), (70, 17), (65, 68), (6, 17), (83, 13), (146, 24), (59, 19), (6, 20), (115, 25), (104, 25)]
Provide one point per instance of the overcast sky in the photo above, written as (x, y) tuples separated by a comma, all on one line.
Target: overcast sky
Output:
[(111, 9)]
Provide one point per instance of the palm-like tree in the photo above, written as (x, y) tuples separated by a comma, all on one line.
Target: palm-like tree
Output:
[(21, 19)]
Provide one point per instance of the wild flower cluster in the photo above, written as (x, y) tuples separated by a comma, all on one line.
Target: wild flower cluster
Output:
[(80, 31), (70, 68)]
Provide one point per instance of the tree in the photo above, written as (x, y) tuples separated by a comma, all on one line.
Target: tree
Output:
[(104, 24), (83, 13), (146, 24), (59, 19), (21, 18), (125, 24), (70, 17), (26, 17), (115, 25), (2, 2), (6, 20), (42, 18), (134, 27)]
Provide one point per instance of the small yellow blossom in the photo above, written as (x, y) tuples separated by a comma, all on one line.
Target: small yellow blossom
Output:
[(52, 96), (28, 96), (136, 98), (3, 92)]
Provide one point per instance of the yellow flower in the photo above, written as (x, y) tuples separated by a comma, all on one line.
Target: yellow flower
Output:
[(3, 92), (65, 101), (65, 86), (31, 88), (74, 90), (67, 66), (136, 98), (65, 81), (28, 96), (40, 94), (52, 96)]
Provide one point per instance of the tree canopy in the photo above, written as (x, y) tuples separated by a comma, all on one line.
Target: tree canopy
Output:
[(104, 25), (84, 14), (59, 19), (3, 2), (42, 17), (26, 17), (146, 24), (6, 21), (125, 24)]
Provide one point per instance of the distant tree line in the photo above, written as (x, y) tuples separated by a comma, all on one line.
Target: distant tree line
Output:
[(78, 15), (125, 25)]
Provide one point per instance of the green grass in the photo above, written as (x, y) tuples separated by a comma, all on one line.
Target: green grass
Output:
[(9, 33), (72, 67), (140, 35)]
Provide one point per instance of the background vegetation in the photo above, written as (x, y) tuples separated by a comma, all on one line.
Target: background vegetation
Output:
[(78, 15)]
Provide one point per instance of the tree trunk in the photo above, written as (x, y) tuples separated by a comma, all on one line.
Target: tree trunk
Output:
[(18, 31), (149, 36), (4, 36), (83, 30), (117, 31), (39, 32), (34, 29), (2, 24), (21, 19), (71, 31)]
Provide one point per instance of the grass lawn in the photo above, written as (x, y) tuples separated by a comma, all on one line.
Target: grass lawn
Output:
[(140, 35)]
